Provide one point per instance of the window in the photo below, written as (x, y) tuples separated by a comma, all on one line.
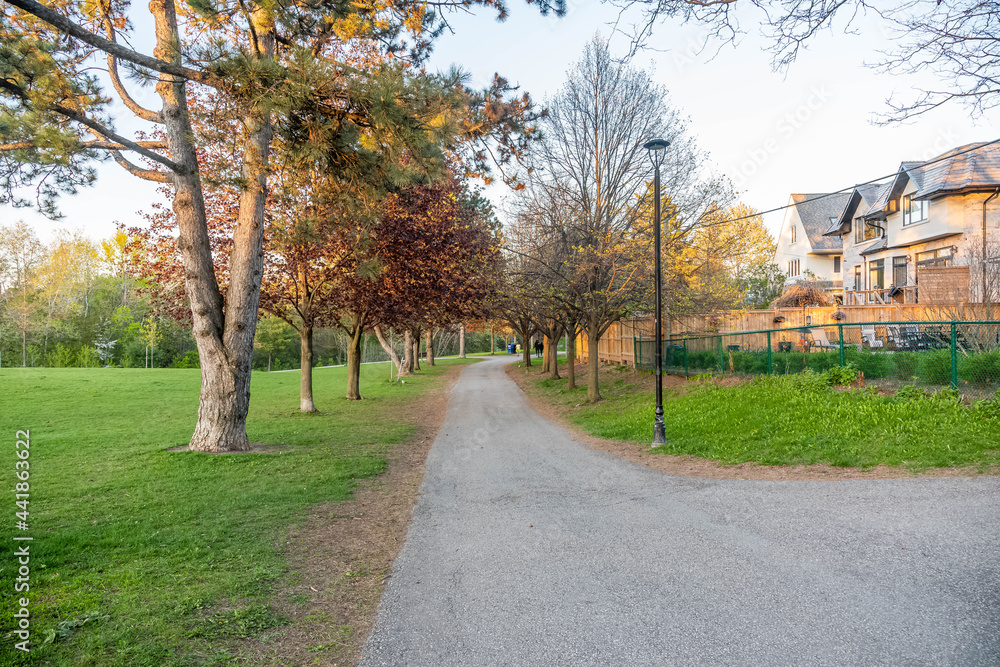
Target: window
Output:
[(914, 210), (864, 230), (858, 286), (899, 271), (939, 257), (836, 263), (793, 267), (795, 233), (876, 274)]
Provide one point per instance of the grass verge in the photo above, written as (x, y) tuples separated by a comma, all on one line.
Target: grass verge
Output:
[(788, 420), (143, 556)]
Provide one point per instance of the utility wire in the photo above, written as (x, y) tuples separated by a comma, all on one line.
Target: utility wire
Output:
[(947, 156)]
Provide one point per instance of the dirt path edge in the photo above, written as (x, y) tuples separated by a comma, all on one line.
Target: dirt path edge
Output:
[(340, 557)]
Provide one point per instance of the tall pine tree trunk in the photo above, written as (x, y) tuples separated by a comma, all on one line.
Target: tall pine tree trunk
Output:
[(306, 365), (593, 338), (461, 341), (430, 345), (354, 360), (224, 336)]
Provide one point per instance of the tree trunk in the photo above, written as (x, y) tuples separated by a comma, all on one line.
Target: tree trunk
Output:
[(526, 353), (545, 353), (593, 390), (430, 345), (461, 341), (407, 352), (393, 358), (571, 360), (354, 361), (306, 364), (493, 342), (554, 352), (416, 349), (224, 336), (268, 362), (24, 348)]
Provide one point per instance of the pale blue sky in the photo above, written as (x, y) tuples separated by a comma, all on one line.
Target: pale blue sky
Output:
[(773, 134)]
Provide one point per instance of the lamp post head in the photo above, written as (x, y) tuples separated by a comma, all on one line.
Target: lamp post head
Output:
[(657, 149)]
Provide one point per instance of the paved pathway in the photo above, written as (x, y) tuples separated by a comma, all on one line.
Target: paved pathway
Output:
[(527, 548)]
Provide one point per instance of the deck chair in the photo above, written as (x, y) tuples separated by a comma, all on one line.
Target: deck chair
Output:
[(870, 338), (914, 337), (896, 339), (820, 340)]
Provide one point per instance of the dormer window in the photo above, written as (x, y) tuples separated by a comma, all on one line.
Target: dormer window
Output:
[(795, 233), (914, 210), (864, 230)]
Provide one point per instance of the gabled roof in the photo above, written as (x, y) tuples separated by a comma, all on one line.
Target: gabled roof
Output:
[(816, 212), (887, 193), (912, 170), (861, 199), (961, 170)]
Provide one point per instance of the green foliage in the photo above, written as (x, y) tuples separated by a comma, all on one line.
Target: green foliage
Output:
[(86, 357), (62, 356), (189, 360), (980, 368), (910, 392), (762, 285), (799, 418), (935, 367), (841, 375)]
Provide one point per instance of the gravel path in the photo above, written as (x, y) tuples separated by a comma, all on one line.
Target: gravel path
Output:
[(527, 548)]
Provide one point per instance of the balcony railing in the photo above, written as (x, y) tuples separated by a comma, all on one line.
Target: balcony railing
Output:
[(905, 295)]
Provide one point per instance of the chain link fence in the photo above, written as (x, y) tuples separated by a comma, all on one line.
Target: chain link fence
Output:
[(964, 355)]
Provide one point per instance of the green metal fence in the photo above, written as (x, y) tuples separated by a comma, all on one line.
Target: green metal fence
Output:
[(962, 354)]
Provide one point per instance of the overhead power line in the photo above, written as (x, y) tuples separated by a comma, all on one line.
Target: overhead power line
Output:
[(873, 181)]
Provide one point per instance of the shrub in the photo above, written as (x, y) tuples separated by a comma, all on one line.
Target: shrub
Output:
[(935, 367), (905, 365), (189, 360), (788, 363), (808, 380), (983, 367), (60, 357), (87, 358), (910, 392), (841, 375)]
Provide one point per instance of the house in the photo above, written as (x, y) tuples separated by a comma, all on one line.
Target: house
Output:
[(923, 236), (802, 249)]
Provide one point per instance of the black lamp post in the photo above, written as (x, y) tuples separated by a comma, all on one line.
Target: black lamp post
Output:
[(657, 150)]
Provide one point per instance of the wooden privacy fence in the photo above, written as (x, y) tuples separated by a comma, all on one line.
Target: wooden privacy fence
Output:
[(617, 345)]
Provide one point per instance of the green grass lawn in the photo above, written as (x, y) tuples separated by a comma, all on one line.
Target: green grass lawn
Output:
[(142, 556), (792, 420)]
